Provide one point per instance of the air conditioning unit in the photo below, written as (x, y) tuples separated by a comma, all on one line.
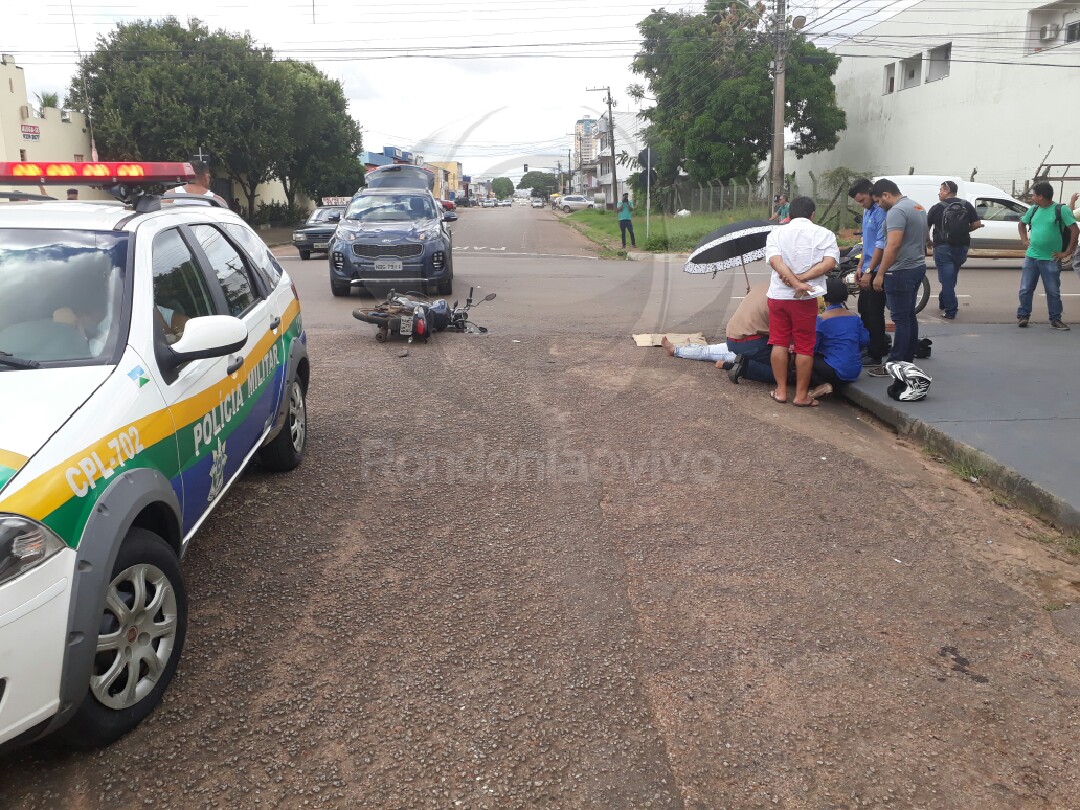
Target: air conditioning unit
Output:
[(1049, 32)]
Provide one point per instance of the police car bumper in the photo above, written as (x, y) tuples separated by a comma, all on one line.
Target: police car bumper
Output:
[(33, 626)]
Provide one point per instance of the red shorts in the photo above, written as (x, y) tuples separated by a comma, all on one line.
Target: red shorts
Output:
[(793, 321)]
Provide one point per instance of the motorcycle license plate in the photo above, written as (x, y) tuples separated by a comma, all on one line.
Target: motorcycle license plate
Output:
[(388, 267), (406, 325), (321, 245)]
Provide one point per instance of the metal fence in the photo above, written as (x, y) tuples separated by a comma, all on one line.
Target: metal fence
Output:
[(834, 209)]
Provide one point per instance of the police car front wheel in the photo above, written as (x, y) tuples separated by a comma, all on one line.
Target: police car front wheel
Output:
[(140, 638), (285, 450)]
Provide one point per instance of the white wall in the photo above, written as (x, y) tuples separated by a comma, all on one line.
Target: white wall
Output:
[(999, 118)]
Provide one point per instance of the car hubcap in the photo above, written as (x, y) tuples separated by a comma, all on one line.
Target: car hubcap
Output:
[(136, 638), (297, 417)]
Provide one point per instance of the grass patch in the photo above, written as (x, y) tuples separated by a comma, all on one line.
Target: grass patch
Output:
[(667, 234), (965, 468), (1054, 605), (1066, 541)]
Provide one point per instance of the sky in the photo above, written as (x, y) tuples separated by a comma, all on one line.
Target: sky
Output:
[(494, 84)]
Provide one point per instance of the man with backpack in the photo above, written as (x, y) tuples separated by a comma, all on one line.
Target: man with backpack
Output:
[(951, 221), (1053, 233)]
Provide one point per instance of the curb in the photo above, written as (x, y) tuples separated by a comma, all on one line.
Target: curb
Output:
[(1005, 480)]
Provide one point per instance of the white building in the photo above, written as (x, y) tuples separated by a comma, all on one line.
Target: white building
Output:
[(955, 87), (628, 141)]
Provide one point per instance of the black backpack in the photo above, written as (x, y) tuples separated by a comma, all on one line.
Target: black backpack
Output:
[(955, 221), (1065, 235)]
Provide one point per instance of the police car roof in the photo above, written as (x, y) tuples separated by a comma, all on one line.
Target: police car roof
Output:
[(90, 215)]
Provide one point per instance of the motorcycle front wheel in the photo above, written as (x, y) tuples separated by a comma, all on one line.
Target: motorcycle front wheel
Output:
[(921, 300)]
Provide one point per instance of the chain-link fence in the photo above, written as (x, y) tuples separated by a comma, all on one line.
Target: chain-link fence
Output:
[(752, 199)]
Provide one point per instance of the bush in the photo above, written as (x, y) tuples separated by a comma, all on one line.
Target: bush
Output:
[(278, 213), (659, 243)]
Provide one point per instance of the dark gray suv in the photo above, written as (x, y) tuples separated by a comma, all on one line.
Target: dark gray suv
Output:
[(394, 237)]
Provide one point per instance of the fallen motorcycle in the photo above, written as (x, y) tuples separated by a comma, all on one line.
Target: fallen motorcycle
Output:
[(849, 263), (416, 316)]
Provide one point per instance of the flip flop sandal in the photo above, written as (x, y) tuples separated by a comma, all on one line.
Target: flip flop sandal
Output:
[(811, 404), (822, 390), (776, 399)]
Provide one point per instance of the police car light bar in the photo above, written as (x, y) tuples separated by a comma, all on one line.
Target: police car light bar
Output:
[(131, 173)]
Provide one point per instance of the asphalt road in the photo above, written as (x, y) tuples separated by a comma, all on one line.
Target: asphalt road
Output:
[(543, 567)]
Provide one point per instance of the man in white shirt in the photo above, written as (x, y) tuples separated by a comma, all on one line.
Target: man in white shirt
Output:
[(800, 254), (200, 185)]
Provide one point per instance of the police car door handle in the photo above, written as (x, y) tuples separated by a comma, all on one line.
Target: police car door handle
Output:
[(274, 324), (234, 365)]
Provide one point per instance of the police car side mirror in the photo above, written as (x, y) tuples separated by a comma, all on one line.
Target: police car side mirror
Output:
[(209, 336)]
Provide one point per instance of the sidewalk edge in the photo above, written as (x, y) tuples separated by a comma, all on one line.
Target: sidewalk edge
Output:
[(999, 477)]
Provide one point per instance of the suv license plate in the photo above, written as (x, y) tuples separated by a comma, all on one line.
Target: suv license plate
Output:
[(388, 267), (406, 325), (322, 245)]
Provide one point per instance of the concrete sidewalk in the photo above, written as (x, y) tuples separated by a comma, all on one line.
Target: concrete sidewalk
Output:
[(1004, 402)]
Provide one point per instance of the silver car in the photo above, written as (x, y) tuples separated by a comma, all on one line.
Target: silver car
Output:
[(574, 202)]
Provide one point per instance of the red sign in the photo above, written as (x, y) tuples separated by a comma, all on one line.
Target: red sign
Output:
[(31, 132)]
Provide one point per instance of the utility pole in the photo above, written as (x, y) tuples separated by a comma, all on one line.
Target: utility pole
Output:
[(611, 136), (779, 56), (569, 173), (781, 31)]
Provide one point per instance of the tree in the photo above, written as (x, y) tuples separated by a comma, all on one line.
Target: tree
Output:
[(542, 183), (709, 75), (164, 91), (46, 100), (502, 187), (321, 156)]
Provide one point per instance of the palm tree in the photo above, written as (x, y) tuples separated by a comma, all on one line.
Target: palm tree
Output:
[(47, 100)]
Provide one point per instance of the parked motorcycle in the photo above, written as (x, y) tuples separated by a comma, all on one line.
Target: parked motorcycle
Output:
[(849, 263), (416, 316)]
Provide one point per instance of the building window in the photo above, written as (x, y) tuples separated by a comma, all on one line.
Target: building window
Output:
[(940, 58), (1072, 32), (890, 79), (78, 158), (22, 154), (911, 72)]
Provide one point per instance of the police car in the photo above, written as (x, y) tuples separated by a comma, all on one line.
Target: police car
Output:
[(147, 353)]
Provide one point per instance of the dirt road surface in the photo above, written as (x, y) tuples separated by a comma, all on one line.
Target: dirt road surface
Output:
[(546, 568)]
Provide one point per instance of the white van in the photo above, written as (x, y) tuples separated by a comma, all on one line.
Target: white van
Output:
[(1000, 213)]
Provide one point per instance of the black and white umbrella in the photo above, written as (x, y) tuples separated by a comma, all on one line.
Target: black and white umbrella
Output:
[(731, 246)]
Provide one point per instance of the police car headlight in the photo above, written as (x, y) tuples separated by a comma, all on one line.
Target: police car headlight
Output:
[(24, 544)]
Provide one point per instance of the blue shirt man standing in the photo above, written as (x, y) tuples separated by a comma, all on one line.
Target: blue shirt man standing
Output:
[(871, 301)]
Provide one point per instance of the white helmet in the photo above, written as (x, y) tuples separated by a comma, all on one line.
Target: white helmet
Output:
[(911, 384)]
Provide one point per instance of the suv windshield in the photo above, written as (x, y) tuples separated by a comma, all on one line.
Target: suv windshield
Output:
[(392, 208), (60, 294)]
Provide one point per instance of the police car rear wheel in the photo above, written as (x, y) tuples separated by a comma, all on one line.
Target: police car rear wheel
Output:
[(287, 448), (140, 638)]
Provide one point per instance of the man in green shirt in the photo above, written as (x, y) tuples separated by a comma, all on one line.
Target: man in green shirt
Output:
[(626, 223), (1045, 249)]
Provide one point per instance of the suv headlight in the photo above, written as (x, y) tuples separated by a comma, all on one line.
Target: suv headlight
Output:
[(24, 544), (297, 236), (429, 234), (345, 234)]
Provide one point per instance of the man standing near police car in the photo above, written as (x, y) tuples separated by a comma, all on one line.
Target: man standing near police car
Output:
[(951, 222), (1048, 245), (902, 268)]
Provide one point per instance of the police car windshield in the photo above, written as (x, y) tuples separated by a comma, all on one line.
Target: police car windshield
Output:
[(391, 208), (60, 294)]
